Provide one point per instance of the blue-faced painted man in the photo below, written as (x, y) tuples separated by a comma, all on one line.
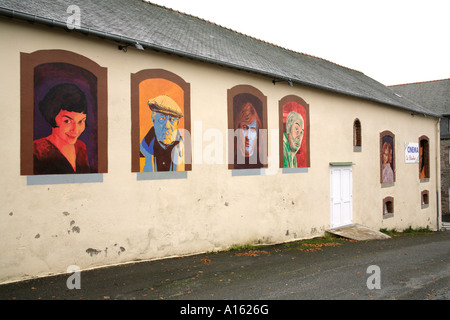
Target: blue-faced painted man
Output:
[(163, 146)]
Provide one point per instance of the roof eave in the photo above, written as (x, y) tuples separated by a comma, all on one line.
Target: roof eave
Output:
[(130, 41)]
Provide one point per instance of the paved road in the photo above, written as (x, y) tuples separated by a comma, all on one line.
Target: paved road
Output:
[(406, 267)]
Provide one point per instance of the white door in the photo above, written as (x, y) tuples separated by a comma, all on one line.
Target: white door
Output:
[(341, 196)]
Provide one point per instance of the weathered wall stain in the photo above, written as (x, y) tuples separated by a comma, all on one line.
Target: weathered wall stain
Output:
[(74, 228), (121, 249), (92, 251)]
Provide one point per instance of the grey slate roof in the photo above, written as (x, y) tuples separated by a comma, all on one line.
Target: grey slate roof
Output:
[(170, 31), (434, 95)]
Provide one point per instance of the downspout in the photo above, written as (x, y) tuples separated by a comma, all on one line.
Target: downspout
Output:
[(438, 173)]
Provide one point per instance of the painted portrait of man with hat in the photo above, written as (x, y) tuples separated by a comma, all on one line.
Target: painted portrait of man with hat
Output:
[(163, 145)]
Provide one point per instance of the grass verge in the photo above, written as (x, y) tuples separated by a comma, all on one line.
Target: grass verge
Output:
[(407, 231)]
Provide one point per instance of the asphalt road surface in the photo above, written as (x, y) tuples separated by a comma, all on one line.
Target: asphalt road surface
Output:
[(406, 267)]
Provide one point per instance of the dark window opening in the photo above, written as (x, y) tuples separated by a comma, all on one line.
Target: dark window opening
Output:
[(424, 199), (388, 207), (357, 141), (424, 158)]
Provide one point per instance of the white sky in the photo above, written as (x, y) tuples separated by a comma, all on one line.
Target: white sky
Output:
[(391, 41)]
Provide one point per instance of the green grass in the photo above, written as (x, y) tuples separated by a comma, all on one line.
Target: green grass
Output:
[(243, 247), (326, 240), (409, 230)]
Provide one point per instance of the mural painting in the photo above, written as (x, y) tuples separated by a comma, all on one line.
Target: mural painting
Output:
[(161, 122), (63, 94), (424, 157), (62, 119), (294, 133), (387, 157), (248, 125)]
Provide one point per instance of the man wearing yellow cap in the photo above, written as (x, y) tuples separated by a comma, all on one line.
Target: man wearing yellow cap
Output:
[(163, 146)]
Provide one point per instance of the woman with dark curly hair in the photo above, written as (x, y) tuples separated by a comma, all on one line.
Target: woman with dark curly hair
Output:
[(64, 108)]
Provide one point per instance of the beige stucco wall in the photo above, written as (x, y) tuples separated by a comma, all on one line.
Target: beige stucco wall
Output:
[(45, 228)]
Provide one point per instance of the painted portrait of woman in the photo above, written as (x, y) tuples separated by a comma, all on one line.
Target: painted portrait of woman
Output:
[(64, 120), (387, 158), (64, 108), (64, 116)]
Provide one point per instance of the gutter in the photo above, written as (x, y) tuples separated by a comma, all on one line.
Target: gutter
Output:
[(438, 174), (130, 41)]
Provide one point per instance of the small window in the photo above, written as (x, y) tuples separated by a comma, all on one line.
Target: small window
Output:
[(424, 158), (357, 143), (388, 207), (424, 199)]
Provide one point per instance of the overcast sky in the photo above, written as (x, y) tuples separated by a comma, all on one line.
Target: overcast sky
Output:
[(391, 41)]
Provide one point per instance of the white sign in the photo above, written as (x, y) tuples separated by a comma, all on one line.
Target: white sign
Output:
[(412, 152)]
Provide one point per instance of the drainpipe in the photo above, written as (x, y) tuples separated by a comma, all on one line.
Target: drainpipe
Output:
[(438, 173)]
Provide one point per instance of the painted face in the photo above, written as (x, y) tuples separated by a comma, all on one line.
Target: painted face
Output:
[(69, 126), (165, 128), (295, 136), (387, 153), (248, 138), (386, 156)]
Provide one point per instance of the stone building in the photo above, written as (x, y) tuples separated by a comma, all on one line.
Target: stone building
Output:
[(132, 132), (435, 96)]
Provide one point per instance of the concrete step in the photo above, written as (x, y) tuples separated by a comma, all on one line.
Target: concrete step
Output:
[(358, 232)]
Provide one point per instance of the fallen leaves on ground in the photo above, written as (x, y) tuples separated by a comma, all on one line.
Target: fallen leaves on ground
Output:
[(318, 246), (252, 253), (205, 261), (310, 250)]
